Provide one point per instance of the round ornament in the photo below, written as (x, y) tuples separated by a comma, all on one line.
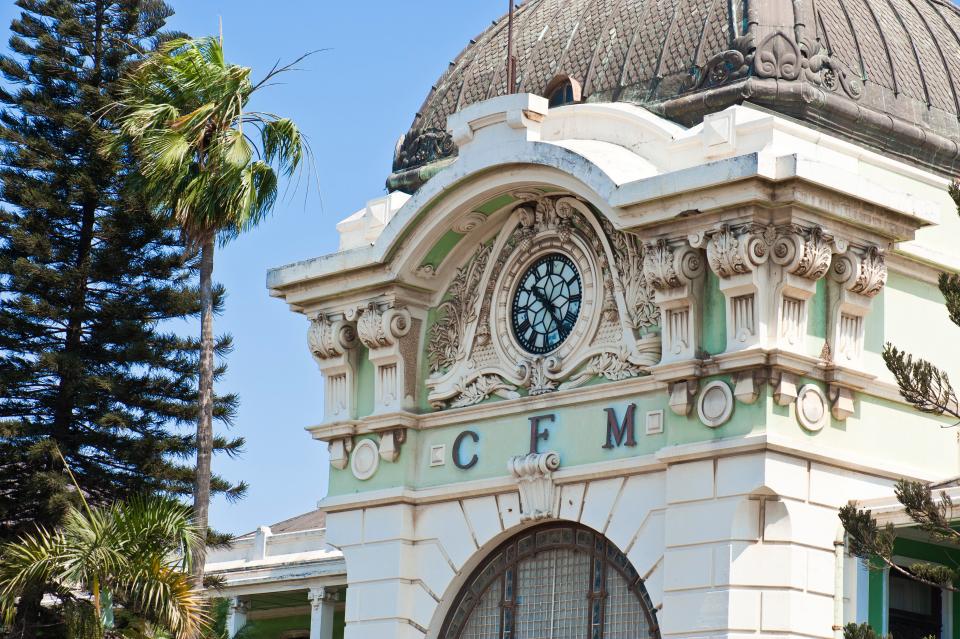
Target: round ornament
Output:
[(715, 405), (813, 411), (365, 459)]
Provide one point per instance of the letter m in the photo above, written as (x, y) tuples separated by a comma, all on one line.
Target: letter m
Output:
[(620, 434)]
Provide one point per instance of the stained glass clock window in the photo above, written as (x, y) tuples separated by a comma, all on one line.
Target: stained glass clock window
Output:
[(547, 303)]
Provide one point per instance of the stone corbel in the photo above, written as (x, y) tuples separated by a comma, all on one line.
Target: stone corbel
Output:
[(332, 341), (842, 403), (785, 388), (539, 497), (681, 396), (734, 254), (805, 256), (767, 275), (675, 271), (340, 452), (748, 384), (390, 443), (391, 335), (859, 275)]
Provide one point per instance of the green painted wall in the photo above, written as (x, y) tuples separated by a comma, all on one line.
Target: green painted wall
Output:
[(578, 434), (817, 309), (442, 248), (714, 316), (365, 381)]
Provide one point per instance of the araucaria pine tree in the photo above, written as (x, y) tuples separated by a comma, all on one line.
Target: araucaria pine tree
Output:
[(929, 390), (94, 288)]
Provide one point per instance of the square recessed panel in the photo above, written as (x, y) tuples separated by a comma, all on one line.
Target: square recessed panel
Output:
[(438, 454), (654, 422)]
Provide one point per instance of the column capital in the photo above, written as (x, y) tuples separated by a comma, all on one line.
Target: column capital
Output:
[(321, 595)]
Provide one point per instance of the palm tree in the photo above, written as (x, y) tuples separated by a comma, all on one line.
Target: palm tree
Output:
[(208, 163), (132, 557)]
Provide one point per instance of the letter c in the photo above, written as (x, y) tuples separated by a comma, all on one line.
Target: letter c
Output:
[(457, 461)]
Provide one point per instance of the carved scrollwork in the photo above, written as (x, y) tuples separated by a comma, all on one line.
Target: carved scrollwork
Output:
[(328, 338), (863, 272), (777, 56), (539, 497), (735, 251), (628, 251), (483, 387), (806, 252), (456, 313), (790, 55), (472, 352), (537, 374), (381, 328), (609, 365), (671, 266)]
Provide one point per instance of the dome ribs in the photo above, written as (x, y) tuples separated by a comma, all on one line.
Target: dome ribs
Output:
[(684, 45), (610, 53), (656, 26), (542, 64), (891, 79), (942, 85), (906, 41), (878, 65), (698, 54), (527, 27), (886, 47), (585, 39), (946, 36), (842, 42)]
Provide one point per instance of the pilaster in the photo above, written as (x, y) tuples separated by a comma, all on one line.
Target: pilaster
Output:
[(332, 340), (675, 270), (322, 610)]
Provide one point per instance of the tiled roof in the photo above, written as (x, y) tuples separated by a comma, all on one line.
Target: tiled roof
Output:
[(881, 72)]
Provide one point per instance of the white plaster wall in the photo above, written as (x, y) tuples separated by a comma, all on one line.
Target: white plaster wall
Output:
[(727, 547)]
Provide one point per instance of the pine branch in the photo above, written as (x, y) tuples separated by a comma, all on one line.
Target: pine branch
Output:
[(921, 383)]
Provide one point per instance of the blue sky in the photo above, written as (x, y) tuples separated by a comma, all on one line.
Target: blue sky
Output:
[(352, 100)]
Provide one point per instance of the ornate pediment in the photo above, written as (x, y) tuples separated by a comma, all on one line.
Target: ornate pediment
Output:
[(607, 330)]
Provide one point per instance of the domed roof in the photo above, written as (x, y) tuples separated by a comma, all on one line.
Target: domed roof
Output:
[(885, 73)]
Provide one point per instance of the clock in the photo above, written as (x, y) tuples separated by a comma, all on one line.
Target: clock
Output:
[(547, 303)]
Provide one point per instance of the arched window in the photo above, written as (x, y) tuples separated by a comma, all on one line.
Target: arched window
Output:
[(562, 90), (556, 581)]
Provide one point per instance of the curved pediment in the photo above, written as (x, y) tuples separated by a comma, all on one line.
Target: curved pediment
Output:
[(482, 342)]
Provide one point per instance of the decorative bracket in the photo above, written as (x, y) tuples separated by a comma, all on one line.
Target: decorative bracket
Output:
[(332, 342), (539, 497), (785, 389), (748, 384), (681, 396), (860, 275), (675, 272), (390, 443), (842, 402), (384, 330), (340, 450)]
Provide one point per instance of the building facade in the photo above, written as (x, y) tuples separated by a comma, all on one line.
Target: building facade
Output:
[(607, 360)]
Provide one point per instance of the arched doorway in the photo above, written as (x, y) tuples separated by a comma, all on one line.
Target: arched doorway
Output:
[(555, 581)]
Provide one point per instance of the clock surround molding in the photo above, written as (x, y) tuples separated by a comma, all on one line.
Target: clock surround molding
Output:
[(471, 346)]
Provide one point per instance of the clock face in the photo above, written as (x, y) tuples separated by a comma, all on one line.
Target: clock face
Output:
[(547, 303)]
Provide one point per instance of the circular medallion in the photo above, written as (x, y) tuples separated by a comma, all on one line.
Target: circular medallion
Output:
[(547, 303), (715, 405), (812, 411), (365, 459)]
